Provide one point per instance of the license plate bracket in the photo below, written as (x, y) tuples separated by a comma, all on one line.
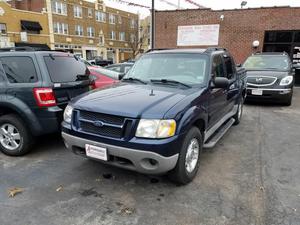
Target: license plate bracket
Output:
[(257, 92), (96, 152)]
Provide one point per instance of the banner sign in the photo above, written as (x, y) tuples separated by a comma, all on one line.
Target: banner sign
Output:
[(198, 35)]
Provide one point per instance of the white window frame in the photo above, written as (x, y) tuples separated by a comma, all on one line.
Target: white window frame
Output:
[(122, 36), (112, 18), (3, 27), (132, 38), (77, 11), (112, 35), (78, 30), (59, 7), (100, 16), (90, 12), (132, 23), (90, 31), (62, 28), (120, 19)]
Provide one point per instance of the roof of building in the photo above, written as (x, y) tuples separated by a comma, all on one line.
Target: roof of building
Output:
[(222, 10)]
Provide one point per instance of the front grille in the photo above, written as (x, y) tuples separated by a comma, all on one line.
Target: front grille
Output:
[(103, 117), (261, 80), (103, 131), (101, 124)]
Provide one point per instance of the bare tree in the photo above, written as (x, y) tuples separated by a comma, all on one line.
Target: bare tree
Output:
[(136, 43)]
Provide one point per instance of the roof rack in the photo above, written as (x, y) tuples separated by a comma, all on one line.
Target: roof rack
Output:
[(23, 49), (158, 49), (210, 49), (270, 53)]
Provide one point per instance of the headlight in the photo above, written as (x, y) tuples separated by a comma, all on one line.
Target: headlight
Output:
[(286, 81), (148, 128), (68, 114)]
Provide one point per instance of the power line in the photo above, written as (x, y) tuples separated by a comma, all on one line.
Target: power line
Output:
[(194, 3)]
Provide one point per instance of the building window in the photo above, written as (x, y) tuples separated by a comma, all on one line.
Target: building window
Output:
[(60, 28), (77, 11), (132, 38), (112, 35), (100, 16), (78, 30), (59, 7), (112, 19), (2, 28), (90, 12), (101, 40), (122, 36), (91, 31), (120, 19), (132, 23)]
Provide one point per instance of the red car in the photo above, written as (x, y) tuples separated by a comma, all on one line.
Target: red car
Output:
[(102, 77)]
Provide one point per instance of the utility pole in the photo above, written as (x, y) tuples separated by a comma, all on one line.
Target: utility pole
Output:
[(178, 7), (152, 25)]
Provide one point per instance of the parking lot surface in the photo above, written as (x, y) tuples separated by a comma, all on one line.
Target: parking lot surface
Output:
[(251, 177)]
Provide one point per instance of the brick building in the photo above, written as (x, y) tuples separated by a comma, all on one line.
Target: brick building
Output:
[(20, 27), (276, 29), (85, 28)]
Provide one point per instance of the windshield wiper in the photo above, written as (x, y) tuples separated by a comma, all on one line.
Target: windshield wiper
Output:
[(134, 79), (167, 81)]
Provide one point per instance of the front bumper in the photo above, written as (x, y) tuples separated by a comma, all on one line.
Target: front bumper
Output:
[(133, 159), (270, 94)]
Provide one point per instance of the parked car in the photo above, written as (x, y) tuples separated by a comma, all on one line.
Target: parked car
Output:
[(170, 105), (120, 67), (102, 77), (270, 77), (35, 87), (100, 62)]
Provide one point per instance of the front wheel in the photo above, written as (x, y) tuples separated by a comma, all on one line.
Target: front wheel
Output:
[(188, 161)]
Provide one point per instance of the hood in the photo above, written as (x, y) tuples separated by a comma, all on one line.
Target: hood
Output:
[(132, 100), (272, 73)]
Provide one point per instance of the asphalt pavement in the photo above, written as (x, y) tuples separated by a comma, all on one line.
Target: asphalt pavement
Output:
[(252, 177)]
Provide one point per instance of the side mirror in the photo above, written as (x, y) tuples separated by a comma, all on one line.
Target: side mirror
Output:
[(220, 82), (296, 66), (121, 75), (239, 65)]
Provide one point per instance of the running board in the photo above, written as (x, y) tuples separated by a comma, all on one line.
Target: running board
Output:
[(219, 134)]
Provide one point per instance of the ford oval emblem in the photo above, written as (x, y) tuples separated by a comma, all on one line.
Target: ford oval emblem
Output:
[(259, 79), (98, 123)]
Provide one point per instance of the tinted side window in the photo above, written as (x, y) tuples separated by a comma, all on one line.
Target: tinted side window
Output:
[(229, 67), (19, 69), (217, 67)]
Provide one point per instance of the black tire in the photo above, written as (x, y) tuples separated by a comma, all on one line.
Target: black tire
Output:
[(180, 174), (238, 116), (26, 138), (288, 101)]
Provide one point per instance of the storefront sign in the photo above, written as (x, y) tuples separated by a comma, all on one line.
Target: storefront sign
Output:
[(198, 35), (23, 36)]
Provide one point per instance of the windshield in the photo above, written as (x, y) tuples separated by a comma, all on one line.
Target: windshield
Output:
[(66, 69), (266, 62), (185, 68)]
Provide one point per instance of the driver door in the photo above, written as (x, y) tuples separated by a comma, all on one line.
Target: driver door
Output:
[(218, 96)]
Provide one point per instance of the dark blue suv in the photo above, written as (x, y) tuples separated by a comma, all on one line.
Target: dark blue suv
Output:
[(170, 105)]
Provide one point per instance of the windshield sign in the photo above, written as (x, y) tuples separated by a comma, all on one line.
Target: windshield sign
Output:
[(187, 69), (266, 63)]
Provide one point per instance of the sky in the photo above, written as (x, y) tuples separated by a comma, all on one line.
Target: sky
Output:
[(214, 4)]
